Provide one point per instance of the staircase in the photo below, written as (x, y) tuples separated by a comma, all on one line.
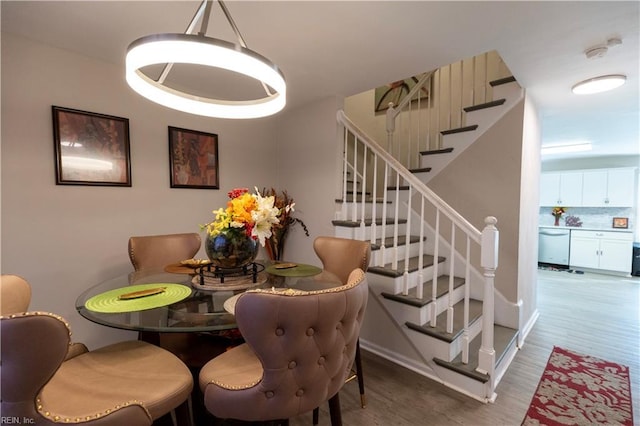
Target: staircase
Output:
[(459, 331)]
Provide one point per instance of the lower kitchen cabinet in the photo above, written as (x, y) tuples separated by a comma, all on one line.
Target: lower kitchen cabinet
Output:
[(611, 251)]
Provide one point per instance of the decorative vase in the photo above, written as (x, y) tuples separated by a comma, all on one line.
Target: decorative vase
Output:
[(557, 222), (231, 250)]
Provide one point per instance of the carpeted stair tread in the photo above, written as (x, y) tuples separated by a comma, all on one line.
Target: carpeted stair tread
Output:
[(503, 337), (440, 330), (367, 222), (388, 242), (459, 130), (388, 271), (427, 288), (484, 105)]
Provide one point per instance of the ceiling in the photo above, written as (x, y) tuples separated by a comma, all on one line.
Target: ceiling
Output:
[(327, 48)]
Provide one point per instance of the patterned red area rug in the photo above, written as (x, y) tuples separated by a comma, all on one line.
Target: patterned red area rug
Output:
[(577, 389)]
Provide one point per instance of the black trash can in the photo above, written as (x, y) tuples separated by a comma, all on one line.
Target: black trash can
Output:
[(635, 266)]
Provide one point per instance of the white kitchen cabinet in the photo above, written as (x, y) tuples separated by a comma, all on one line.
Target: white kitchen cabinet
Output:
[(608, 188), (562, 189), (611, 251)]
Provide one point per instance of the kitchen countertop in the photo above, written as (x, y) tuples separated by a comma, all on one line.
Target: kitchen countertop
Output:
[(584, 228)]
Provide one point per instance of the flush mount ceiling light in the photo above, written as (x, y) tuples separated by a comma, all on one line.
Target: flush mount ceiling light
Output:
[(599, 84), (197, 49), (566, 147)]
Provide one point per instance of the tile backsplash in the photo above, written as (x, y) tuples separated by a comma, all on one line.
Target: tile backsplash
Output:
[(591, 217)]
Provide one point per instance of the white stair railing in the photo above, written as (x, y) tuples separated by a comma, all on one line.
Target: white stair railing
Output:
[(363, 153), (437, 102)]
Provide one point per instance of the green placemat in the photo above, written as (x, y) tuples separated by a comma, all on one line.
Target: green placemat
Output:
[(300, 270), (108, 302)]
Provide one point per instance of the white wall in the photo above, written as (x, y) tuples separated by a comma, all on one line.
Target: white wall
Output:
[(64, 239), (529, 200), (308, 163)]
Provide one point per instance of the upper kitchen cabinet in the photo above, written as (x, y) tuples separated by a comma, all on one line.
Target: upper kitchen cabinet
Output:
[(561, 189), (608, 188)]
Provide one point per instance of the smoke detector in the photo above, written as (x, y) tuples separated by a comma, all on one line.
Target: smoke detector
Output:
[(596, 52), (601, 50)]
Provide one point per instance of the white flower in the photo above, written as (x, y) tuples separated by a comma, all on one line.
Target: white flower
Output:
[(264, 217)]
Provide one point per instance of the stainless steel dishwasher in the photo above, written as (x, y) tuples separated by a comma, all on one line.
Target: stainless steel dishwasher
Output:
[(553, 246)]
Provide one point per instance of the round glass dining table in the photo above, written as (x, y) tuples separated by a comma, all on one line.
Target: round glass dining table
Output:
[(180, 301)]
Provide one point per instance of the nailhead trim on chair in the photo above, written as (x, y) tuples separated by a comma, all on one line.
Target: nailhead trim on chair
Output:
[(36, 313), (108, 411), (292, 292), (226, 386), (56, 417)]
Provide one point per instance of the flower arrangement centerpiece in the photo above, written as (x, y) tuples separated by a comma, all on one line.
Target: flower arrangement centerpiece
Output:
[(557, 213), (232, 238), (284, 203)]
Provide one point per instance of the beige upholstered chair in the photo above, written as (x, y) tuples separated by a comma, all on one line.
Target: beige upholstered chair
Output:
[(340, 256), (158, 251), (127, 383), (298, 352)]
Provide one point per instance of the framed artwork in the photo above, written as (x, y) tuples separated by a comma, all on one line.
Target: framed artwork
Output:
[(621, 222), (90, 148), (394, 92), (193, 159)]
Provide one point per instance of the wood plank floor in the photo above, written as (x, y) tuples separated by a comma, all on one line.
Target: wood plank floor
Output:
[(593, 314)]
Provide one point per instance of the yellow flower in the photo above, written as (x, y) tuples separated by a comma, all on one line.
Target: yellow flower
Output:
[(558, 211), (253, 214)]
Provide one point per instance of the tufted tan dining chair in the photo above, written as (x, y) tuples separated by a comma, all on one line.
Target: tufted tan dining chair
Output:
[(298, 352), (48, 381), (340, 256), (158, 251)]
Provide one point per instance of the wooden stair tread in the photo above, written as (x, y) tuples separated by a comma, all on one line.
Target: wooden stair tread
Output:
[(485, 105), (440, 330), (421, 170), (436, 151), (427, 287), (387, 270), (367, 222), (459, 130), (401, 188), (501, 81), (503, 337), (367, 200), (388, 241)]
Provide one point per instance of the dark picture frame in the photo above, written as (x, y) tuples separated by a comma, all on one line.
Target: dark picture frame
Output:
[(90, 148), (395, 91), (620, 222), (193, 159)]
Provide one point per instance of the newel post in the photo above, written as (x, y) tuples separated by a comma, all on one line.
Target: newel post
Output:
[(489, 263), (391, 126)]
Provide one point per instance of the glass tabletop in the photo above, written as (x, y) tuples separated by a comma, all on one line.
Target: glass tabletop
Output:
[(198, 305)]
